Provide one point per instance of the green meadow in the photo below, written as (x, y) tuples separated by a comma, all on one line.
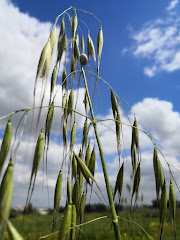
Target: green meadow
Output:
[(145, 220)]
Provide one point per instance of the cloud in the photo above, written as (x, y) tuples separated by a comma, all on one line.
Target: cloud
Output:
[(158, 42), (172, 5)]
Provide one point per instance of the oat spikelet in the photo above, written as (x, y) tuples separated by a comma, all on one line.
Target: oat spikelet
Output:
[(119, 181), (53, 81), (62, 47), (172, 208), (73, 135), (64, 80), (74, 25), (82, 44), (163, 207), (90, 48), (6, 142), (99, 46), (136, 134), (73, 225), (65, 229)]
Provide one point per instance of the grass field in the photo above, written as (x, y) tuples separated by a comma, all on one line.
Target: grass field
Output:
[(36, 225)]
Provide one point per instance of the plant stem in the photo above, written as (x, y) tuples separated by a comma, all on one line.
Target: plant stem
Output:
[(108, 187)]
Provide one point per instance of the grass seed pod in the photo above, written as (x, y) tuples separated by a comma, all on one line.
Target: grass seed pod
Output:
[(90, 48), (71, 103), (92, 162), (82, 44), (13, 234), (74, 167), (85, 170), (73, 65), (49, 119), (155, 167), (6, 142), (73, 224), (172, 207), (61, 32), (86, 104), (119, 181), (64, 134), (118, 131), (163, 207), (160, 174), (136, 180), (52, 38), (136, 133), (133, 157), (76, 49), (38, 152), (85, 134), (75, 194), (73, 135), (88, 154), (69, 197), (74, 25), (114, 104), (6, 190), (99, 44), (64, 80), (64, 232), (62, 47), (57, 192), (53, 80)]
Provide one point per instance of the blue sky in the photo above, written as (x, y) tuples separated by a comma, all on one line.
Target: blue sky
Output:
[(140, 60)]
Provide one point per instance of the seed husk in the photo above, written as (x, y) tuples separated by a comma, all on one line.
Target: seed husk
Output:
[(73, 135), (136, 133), (90, 48), (74, 167), (53, 80), (114, 104), (69, 197), (85, 134), (85, 170), (71, 103), (118, 131), (5, 146), (92, 162), (13, 234), (74, 25), (86, 104), (119, 181), (73, 65), (62, 47), (172, 207), (82, 44), (49, 119), (64, 232), (61, 31), (136, 180), (64, 80), (64, 134), (99, 44), (75, 194), (74, 216), (57, 192), (88, 154), (6, 190), (163, 207), (133, 157), (76, 49)]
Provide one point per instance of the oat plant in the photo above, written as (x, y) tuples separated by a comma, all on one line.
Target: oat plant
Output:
[(80, 56)]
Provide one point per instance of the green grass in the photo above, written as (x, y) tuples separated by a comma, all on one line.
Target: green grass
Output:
[(36, 225)]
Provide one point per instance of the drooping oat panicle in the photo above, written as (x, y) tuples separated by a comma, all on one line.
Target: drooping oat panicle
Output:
[(82, 205), (73, 136), (75, 194), (163, 207), (90, 48), (74, 25), (88, 154), (6, 142), (6, 190), (74, 167), (69, 197), (71, 103), (119, 181), (172, 208), (53, 81), (82, 44), (13, 234), (62, 47), (64, 79), (136, 133), (114, 104), (85, 135), (92, 162), (85, 171), (99, 46), (65, 229), (73, 224), (49, 119)]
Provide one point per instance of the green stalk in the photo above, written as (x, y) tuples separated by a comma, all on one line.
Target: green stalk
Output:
[(108, 188)]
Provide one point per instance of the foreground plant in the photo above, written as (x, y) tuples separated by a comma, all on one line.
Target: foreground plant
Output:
[(81, 165)]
